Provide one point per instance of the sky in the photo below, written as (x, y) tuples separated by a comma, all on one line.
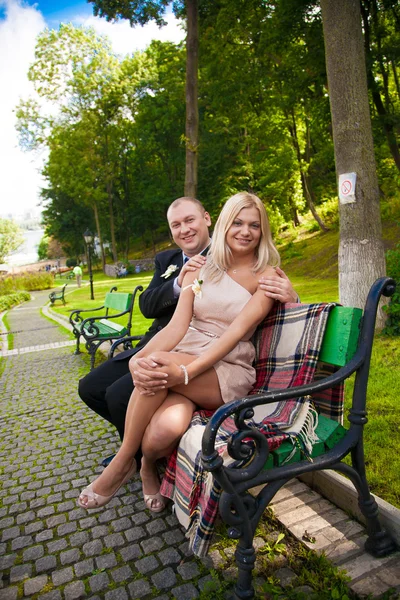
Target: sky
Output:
[(20, 24)]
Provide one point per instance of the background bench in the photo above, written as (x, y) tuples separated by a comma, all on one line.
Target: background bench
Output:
[(350, 350), (98, 329), (58, 295)]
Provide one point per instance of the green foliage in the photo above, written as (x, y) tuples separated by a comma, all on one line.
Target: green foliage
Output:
[(26, 281), (10, 300), (392, 326), (71, 262), (11, 238), (43, 248)]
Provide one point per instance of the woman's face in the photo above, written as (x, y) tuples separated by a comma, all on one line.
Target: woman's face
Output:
[(243, 236)]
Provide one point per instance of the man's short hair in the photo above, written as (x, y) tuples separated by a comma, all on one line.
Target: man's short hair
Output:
[(179, 201)]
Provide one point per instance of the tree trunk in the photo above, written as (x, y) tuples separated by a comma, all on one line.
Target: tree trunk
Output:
[(112, 226), (97, 221), (192, 112), (361, 252)]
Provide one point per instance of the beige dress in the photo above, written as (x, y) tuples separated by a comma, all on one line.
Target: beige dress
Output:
[(218, 306)]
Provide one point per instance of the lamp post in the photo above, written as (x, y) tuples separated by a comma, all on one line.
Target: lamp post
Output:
[(89, 239)]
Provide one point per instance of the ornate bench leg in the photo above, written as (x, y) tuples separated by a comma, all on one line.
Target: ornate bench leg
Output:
[(77, 350), (245, 559)]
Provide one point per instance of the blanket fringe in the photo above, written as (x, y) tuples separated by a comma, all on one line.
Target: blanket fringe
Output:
[(306, 437)]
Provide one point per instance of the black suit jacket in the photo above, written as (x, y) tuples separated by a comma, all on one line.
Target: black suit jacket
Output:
[(157, 301)]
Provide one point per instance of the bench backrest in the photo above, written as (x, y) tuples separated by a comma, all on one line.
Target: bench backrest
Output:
[(119, 301)]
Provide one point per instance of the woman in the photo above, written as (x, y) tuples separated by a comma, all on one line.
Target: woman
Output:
[(204, 356)]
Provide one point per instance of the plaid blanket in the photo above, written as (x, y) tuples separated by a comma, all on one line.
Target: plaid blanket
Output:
[(287, 345)]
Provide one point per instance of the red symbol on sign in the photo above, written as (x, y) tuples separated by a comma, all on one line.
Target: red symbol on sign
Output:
[(346, 187)]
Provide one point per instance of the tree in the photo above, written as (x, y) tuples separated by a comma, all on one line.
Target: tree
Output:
[(141, 12), (361, 252), (11, 238)]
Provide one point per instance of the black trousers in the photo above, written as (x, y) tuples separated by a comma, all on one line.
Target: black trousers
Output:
[(107, 389)]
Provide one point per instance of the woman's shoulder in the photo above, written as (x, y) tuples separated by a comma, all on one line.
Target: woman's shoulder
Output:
[(267, 272)]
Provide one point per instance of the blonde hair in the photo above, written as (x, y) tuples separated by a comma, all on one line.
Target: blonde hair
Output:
[(220, 256)]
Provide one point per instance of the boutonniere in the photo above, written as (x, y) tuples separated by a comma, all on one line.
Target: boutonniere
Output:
[(171, 269), (196, 288)]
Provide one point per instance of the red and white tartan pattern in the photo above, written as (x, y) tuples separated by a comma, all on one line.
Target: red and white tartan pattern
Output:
[(287, 345)]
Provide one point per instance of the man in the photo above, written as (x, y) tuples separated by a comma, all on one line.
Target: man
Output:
[(107, 389), (77, 271)]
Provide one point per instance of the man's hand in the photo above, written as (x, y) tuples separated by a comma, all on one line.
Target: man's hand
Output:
[(278, 287), (194, 263)]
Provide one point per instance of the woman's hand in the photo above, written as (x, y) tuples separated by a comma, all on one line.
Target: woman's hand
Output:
[(147, 378), (278, 287), (194, 263)]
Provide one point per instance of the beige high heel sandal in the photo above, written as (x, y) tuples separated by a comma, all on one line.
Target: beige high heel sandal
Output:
[(97, 500)]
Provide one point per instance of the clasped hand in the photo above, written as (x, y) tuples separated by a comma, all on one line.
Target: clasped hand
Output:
[(150, 375)]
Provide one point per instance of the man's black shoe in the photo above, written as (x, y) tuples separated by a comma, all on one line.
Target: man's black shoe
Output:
[(107, 460)]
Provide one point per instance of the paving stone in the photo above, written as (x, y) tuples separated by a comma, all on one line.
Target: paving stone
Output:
[(46, 563), (131, 552), (84, 567), (45, 535), (33, 586), (21, 542), (139, 517), (286, 576), (92, 548), (46, 512), (117, 594), (10, 533), (147, 564), (152, 544), (87, 523), (173, 537), (33, 553), (204, 581), (134, 534), (106, 561), (10, 593), (99, 582), (122, 574), (66, 528), (139, 589), (53, 595), (20, 572), (33, 527), (114, 540), (56, 520), (185, 592), (7, 561), (100, 531), (70, 556), (188, 570), (169, 556), (57, 546), (164, 579), (107, 516), (63, 576), (74, 590), (121, 524), (156, 526), (7, 522)]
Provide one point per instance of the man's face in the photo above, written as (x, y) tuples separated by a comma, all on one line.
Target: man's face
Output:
[(189, 227)]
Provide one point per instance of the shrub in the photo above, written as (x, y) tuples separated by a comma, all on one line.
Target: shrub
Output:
[(7, 302), (392, 309), (71, 262), (27, 281)]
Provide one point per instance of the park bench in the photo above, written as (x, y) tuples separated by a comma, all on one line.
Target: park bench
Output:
[(98, 329), (347, 344), (58, 295)]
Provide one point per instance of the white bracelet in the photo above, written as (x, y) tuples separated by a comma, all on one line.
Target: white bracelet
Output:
[(184, 369)]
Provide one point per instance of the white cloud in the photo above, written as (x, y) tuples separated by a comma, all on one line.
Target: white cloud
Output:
[(20, 172), (20, 180), (126, 39)]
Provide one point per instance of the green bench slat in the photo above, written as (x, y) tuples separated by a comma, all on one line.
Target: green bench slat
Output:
[(329, 433), (341, 335)]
